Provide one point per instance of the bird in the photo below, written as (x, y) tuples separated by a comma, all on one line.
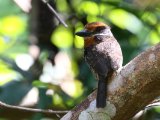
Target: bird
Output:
[(103, 54)]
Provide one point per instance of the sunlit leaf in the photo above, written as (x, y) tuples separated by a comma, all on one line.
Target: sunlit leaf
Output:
[(158, 28), (89, 7), (75, 68), (40, 84), (157, 108), (12, 26), (57, 100), (5, 78), (149, 17), (154, 38), (62, 5), (79, 89), (6, 74), (125, 20), (79, 42), (62, 37), (104, 8), (92, 18)]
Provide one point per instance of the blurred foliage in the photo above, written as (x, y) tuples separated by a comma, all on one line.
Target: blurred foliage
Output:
[(63, 85)]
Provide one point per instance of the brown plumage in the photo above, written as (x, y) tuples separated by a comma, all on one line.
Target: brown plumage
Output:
[(103, 54)]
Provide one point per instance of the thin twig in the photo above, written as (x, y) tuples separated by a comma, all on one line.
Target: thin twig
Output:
[(24, 109), (55, 13)]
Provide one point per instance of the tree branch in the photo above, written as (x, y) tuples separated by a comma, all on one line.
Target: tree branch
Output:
[(55, 13), (130, 90), (24, 109)]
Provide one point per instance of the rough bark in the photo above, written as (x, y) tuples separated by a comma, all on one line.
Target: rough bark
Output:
[(130, 90)]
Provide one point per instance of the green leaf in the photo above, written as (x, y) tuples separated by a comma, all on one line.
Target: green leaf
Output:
[(125, 20), (62, 37), (89, 7), (12, 26)]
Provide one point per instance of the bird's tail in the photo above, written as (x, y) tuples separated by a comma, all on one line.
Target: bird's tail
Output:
[(101, 93)]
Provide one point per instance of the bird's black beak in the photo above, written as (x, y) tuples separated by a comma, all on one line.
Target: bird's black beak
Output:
[(83, 33)]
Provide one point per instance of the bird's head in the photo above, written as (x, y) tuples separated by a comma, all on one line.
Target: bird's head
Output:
[(94, 29)]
